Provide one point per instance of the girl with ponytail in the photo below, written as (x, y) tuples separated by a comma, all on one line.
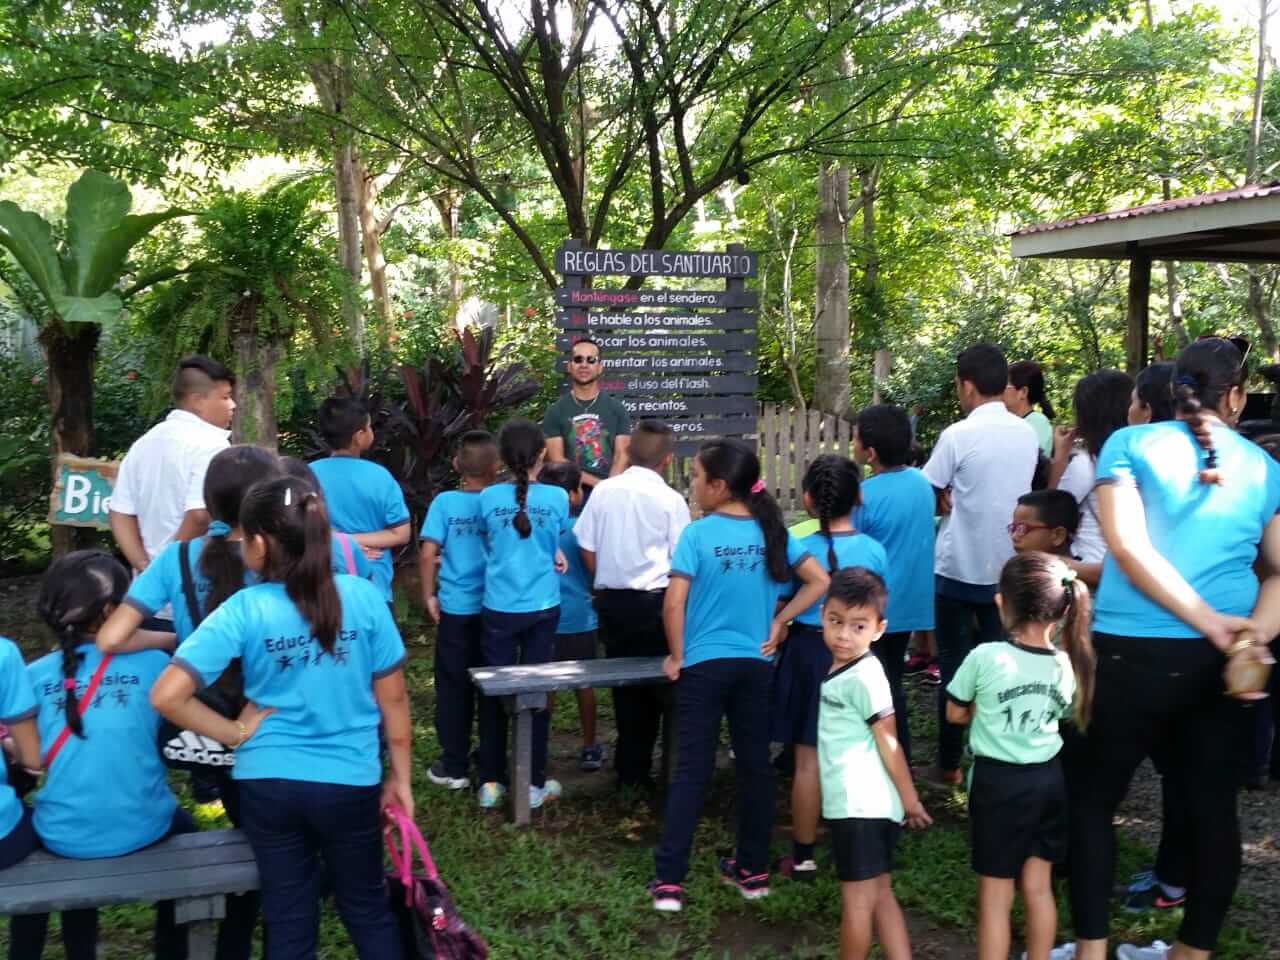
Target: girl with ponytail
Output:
[(105, 793), (1186, 507), (522, 520), (727, 574), (323, 666), (1012, 695), (1025, 392), (831, 493)]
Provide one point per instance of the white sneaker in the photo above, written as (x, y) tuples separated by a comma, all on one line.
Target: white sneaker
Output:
[(437, 775), (1157, 951), (548, 791), (1065, 952)]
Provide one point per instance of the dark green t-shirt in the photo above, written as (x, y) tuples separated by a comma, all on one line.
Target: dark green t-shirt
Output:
[(588, 430)]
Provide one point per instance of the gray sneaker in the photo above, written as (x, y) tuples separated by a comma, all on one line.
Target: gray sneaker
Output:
[(1065, 952), (591, 758), (1157, 951)]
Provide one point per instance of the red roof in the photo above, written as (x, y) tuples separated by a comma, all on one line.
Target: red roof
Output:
[(1248, 192)]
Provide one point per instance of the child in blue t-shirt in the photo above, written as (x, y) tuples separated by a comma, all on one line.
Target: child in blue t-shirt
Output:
[(18, 718), (576, 633), (522, 522), (362, 497), (323, 666), (897, 510), (727, 573), (105, 793), (453, 539), (830, 488), (347, 556)]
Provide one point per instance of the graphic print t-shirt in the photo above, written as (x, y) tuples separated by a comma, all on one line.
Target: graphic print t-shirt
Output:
[(853, 549), (731, 595), (1019, 694), (16, 704), (454, 524), (855, 783), (325, 728), (588, 430), (106, 793), (520, 576)]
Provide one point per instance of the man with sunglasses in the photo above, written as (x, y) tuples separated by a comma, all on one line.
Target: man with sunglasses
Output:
[(587, 426)]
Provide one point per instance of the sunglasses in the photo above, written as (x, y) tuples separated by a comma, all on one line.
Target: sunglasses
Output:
[(589, 361), (1022, 529)]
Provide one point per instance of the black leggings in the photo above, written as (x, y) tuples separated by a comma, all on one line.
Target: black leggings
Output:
[(1161, 695)]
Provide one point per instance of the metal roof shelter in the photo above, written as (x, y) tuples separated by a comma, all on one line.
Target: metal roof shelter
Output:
[(1241, 225)]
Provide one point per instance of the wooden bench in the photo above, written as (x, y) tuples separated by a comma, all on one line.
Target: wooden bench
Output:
[(524, 689), (196, 870)]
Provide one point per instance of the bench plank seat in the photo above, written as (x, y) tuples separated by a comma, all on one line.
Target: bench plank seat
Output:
[(193, 865)]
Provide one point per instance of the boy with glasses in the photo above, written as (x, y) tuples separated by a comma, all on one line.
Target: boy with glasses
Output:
[(587, 426)]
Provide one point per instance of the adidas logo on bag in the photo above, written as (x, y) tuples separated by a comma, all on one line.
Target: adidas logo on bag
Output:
[(190, 747)]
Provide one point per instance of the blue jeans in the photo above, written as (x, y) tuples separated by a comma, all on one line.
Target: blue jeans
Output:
[(292, 826), (507, 639), (966, 616), (457, 650), (739, 689), (27, 933)]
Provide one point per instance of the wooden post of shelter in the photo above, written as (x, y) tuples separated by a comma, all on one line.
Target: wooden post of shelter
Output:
[(1138, 314)]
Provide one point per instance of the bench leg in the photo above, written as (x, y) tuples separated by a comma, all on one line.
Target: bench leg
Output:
[(522, 707), (198, 915)]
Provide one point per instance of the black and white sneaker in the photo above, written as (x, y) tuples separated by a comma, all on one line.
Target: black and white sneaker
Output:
[(667, 897), (437, 775)]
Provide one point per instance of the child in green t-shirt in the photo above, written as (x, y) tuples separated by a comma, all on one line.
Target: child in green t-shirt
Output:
[(1013, 694), (866, 784)]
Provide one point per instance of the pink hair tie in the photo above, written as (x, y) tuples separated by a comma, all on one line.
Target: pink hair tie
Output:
[(68, 684), (758, 487)]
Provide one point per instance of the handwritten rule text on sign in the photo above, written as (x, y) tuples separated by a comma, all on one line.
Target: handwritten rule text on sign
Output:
[(82, 492)]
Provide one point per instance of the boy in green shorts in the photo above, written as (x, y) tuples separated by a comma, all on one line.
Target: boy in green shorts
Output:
[(867, 791)]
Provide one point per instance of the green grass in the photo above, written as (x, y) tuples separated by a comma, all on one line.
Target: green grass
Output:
[(572, 885)]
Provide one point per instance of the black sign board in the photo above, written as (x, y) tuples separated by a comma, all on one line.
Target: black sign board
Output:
[(618, 299), (582, 320), (611, 342), (654, 263), (687, 358)]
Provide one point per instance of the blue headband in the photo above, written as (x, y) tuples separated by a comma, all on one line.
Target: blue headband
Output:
[(219, 529), (1187, 382)]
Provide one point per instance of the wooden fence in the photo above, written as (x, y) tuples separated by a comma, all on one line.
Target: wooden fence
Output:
[(788, 441)]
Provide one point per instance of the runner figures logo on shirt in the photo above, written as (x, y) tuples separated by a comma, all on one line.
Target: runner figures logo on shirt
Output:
[(590, 440)]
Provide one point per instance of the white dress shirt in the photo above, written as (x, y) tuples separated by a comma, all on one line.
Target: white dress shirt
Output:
[(631, 523)]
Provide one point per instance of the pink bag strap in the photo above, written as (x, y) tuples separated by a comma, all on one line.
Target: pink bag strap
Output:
[(347, 556), (410, 839)]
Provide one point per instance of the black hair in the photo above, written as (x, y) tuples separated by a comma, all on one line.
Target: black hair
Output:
[(1154, 386), (562, 474), (1040, 475), (477, 453), (230, 475), (1041, 588), (198, 374), (651, 442), (859, 587), (917, 458), (985, 367), (1203, 374), (290, 516), (1102, 407), (299, 469), (1057, 508), (341, 418), (73, 599), (591, 341), (832, 483), (886, 429), (738, 466), (1027, 373), (521, 442)]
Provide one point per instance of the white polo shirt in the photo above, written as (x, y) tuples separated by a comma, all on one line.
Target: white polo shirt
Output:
[(987, 460), (631, 523), (162, 475)]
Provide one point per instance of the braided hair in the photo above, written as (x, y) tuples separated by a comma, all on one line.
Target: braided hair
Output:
[(832, 483), (1204, 373), (73, 601), (520, 443)]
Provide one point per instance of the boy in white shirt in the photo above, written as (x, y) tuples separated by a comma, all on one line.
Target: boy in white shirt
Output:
[(627, 533), (979, 468)]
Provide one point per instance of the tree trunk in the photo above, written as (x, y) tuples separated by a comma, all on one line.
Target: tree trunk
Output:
[(347, 190), (1259, 304), (1259, 301), (831, 275), (449, 206), (371, 237), (71, 357), (255, 390)]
